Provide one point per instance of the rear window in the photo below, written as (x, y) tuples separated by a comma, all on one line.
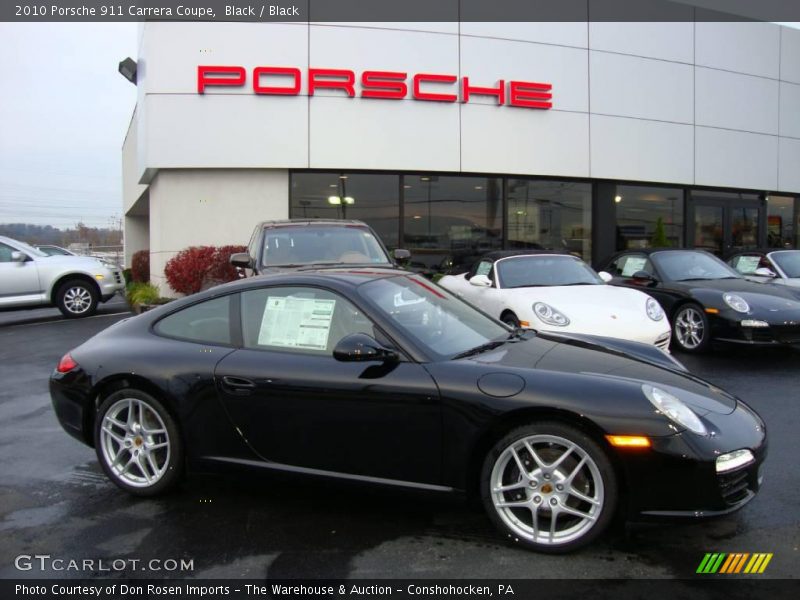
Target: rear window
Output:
[(311, 245)]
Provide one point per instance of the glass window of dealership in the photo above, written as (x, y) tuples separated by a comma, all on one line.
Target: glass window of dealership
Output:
[(447, 220)]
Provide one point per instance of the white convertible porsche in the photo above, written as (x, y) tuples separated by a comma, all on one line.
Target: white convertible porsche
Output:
[(550, 291)]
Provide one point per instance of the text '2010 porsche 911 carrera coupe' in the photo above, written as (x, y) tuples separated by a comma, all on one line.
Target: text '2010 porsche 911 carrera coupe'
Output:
[(377, 375)]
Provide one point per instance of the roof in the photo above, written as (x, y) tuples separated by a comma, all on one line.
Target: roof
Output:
[(498, 254)]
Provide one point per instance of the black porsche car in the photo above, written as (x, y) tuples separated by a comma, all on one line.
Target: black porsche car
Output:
[(707, 300), (378, 375)]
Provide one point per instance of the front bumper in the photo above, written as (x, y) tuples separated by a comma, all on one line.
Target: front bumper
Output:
[(677, 476), (111, 283), (730, 330)]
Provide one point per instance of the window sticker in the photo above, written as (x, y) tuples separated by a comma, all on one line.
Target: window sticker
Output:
[(483, 268), (748, 264), (633, 264), (291, 322)]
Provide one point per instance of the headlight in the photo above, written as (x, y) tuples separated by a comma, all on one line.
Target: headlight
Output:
[(736, 302), (654, 310), (675, 410), (550, 315)]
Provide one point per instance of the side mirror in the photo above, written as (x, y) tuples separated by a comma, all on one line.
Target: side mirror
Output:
[(480, 281), (359, 347), (765, 272), (401, 254), (605, 276), (241, 259), (17, 256)]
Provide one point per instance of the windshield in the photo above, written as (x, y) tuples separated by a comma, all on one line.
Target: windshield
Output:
[(788, 261), (438, 321), (307, 245), (688, 265), (544, 270)]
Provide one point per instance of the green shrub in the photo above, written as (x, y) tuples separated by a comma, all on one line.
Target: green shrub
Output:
[(142, 293)]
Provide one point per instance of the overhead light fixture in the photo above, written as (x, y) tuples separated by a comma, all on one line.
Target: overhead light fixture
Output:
[(617, 199), (407, 187), (342, 176), (334, 200), (416, 217), (478, 187), (424, 178), (127, 68), (334, 185), (520, 212), (349, 200)]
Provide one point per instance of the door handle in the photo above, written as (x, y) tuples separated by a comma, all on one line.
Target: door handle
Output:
[(238, 385)]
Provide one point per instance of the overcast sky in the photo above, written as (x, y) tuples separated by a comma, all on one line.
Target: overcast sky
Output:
[(64, 112)]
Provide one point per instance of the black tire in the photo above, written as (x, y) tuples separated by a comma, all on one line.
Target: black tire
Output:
[(682, 338), (510, 319), (168, 460), (77, 298), (542, 495)]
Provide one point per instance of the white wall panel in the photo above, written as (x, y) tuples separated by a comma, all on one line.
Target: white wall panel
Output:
[(226, 131), (666, 41), (498, 139), (736, 159), (790, 54), (485, 61), (638, 87), (173, 52), (751, 48), (788, 169), (641, 150), (362, 49), (429, 26), (735, 101), (564, 34), (790, 110), (383, 134)]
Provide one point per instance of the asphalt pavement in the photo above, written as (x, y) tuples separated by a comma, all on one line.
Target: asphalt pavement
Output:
[(54, 499)]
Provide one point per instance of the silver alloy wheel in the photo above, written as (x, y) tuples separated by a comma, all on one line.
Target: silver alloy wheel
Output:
[(690, 328), (135, 442), (547, 489), (77, 300)]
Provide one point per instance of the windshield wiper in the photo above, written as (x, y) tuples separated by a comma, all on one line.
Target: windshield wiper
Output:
[(578, 283), (516, 334)]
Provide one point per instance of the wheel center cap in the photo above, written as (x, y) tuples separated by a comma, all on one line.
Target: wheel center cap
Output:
[(138, 441), (547, 488)]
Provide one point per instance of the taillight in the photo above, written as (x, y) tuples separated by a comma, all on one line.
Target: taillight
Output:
[(66, 364)]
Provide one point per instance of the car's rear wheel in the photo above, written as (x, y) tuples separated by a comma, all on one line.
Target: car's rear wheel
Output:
[(549, 487), (138, 444), (77, 298), (691, 331), (510, 319)]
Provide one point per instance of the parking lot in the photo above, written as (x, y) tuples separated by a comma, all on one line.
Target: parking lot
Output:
[(54, 499)]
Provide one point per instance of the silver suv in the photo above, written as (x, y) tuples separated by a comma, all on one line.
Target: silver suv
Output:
[(30, 278)]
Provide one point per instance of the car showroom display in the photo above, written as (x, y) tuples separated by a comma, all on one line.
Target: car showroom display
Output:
[(707, 300), (770, 265), (550, 291), (377, 375), (294, 243), (30, 278)]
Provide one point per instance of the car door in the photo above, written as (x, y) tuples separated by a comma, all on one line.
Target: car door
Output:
[(296, 405), (485, 298), (624, 266), (19, 281)]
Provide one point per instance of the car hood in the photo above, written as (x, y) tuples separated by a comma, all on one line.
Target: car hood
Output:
[(609, 358), (573, 300), (766, 300), (81, 262)]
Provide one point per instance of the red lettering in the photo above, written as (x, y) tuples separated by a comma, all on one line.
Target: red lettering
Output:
[(293, 90), (203, 78), (349, 79), (531, 94), (384, 84), (427, 77), (499, 92)]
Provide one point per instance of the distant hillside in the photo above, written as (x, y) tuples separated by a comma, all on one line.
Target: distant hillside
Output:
[(46, 234)]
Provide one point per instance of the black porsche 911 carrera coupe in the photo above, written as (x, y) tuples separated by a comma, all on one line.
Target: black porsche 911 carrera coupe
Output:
[(378, 375), (707, 300)]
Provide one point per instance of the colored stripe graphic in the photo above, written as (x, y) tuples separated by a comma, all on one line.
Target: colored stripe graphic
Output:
[(711, 563), (722, 563), (740, 564)]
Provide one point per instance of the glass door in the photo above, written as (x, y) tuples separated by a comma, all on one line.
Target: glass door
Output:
[(721, 222)]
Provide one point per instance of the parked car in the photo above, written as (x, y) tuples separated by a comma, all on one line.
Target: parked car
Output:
[(30, 278), (768, 266), (55, 250), (707, 300), (379, 376), (551, 291), (303, 243)]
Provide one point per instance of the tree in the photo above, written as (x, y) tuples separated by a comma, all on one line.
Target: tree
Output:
[(660, 239)]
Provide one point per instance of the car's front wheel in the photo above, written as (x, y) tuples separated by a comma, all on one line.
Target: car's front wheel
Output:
[(137, 443), (77, 298), (691, 331), (549, 487)]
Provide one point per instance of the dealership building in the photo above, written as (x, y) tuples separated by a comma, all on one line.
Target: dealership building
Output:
[(451, 138)]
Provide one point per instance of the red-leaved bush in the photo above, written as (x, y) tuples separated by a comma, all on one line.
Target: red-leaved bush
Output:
[(199, 267), (140, 266)]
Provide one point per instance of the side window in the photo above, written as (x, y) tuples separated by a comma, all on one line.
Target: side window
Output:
[(5, 253), (252, 246), (207, 322), (628, 264), (746, 264), (299, 319)]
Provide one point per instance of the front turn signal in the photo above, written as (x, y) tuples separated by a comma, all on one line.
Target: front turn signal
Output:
[(628, 441)]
